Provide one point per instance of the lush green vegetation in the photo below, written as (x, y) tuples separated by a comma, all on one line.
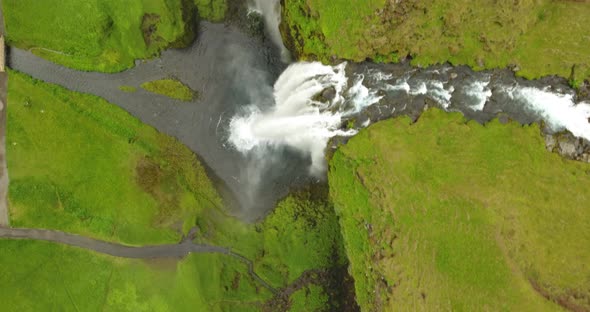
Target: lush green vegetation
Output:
[(212, 10), (539, 37), (40, 276), (106, 35), (445, 214), (129, 89), (82, 165), (311, 298), (302, 233), (201, 281), (170, 87)]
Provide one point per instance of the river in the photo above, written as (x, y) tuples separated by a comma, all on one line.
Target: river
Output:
[(260, 139)]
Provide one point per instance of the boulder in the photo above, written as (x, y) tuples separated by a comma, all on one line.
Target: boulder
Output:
[(550, 142), (329, 94), (567, 148)]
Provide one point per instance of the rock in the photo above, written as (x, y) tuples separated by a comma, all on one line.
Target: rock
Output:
[(550, 142), (579, 146), (585, 158), (503, 119), (329, 94), (454, 75), (567, 149), (515, 68)]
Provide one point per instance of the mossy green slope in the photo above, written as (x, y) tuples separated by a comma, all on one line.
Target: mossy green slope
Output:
[(95, 35), (82, 165), (40, 276), (171, 88), (301, 234), (312, 298), (212, 10), (446, 214), (540, 37)]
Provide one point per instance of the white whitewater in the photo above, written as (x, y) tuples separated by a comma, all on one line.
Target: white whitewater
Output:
[(434, 89), (480, 92), (299, 121), (271, 12), (559, 110)]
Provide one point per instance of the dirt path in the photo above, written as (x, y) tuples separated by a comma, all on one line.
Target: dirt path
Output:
[(179, 250)]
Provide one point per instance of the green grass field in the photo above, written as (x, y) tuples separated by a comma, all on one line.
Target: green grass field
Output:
[(445, 214), (105, 36), (82, 165), (171, 88), (40, 276), (540, 37)]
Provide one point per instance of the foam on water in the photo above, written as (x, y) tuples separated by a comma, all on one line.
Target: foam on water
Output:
[(480, 92), (433, 88), (438, 92), (298, 120), (559, 110)]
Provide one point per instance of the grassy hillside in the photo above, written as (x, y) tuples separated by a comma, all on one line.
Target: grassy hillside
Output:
[(445, 214), (82, 165), (300, 236), (539, 37), (97, 35), (40, 276), (212, 10)]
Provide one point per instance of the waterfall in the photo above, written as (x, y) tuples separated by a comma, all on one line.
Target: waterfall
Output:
[(299, 119), (271, 12), (313, 101)]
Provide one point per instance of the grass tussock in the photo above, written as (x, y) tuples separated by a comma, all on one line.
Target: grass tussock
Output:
[(170, 87)]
